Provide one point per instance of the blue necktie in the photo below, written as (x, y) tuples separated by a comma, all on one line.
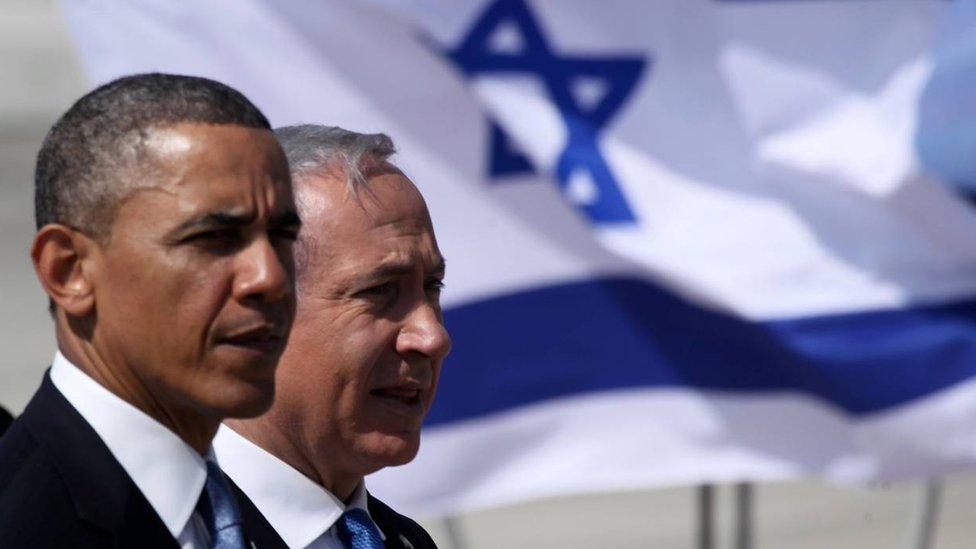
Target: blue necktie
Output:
[(357, 531), (219, 511)]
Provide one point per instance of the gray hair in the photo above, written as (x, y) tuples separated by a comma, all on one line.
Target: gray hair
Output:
[(314, 148)]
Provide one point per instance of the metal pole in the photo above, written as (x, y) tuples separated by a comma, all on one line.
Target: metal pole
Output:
[(743, 515), (706, 516), (927, 515), (454, 535)]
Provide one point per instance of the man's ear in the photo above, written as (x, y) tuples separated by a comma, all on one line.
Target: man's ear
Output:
[(61, 257)]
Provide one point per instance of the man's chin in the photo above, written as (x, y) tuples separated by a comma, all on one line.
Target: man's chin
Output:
[(392, 449), (246, 400)]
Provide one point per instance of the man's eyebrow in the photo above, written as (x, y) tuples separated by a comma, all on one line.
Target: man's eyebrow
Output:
[(288, 218), (214, 219), (396, 267), (388, 269)]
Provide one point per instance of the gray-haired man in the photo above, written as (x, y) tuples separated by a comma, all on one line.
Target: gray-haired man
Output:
[(360, 369)]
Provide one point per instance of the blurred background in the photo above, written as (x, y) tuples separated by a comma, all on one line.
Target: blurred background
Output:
[(43, 74)]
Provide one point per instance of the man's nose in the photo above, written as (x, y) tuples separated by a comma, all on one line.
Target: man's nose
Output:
[(263, 274), (424, 332)]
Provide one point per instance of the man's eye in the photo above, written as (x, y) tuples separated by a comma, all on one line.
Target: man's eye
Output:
[(377, 290), (218, 236)]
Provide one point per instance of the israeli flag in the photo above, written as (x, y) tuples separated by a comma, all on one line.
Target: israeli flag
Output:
[(688, 240)]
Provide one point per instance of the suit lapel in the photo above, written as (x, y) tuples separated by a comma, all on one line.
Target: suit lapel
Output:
[(101, 491), (140, 526), (386, 519), (257, 528)]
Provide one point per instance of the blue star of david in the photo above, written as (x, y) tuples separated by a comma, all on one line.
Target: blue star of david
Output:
[(558, 72)]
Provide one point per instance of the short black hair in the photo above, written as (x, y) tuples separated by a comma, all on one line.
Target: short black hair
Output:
[(81, 167)]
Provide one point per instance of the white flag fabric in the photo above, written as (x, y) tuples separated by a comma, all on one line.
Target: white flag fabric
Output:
[(689, 240)]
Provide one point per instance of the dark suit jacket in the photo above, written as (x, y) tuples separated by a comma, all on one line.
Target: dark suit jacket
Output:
[(5, 420), (400, 531), (60, 486)]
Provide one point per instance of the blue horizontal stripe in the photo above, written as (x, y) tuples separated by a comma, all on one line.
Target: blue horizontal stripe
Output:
[(617, 333)]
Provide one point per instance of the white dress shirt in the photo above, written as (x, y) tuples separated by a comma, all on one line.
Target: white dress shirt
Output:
[(302, 512), (168, 471)]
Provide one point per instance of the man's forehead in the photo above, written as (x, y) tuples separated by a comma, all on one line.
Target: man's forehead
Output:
[(167, 140), (228, 192), (386, 197), (212, 147), (205, 175), (405, 242)]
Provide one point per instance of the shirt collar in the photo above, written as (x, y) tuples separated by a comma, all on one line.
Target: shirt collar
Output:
[(296, 507), (167, 470)]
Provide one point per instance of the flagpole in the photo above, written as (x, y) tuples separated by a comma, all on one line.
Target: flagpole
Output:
[(743, 515), (706, 516), (927, 515)]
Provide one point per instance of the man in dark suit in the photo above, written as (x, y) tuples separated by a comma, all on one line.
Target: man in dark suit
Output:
[(165, 223), (362, 364)]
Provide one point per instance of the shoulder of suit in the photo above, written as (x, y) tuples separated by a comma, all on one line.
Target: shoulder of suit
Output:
[(33, 496), (21, 457), (407, 531)]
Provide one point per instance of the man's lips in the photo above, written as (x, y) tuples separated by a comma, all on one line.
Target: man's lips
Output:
[(263, 339), (408, 396)]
